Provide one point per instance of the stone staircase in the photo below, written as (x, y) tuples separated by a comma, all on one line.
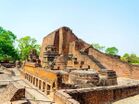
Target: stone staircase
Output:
[(94, 60)]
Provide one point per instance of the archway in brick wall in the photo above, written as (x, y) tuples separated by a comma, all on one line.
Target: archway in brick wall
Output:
[(36, 82), (33, 80), (40, 84), (48, 89), (43, 90)]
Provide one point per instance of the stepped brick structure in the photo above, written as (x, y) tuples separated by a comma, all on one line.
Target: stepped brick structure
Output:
[(82, 55), (67, 62)]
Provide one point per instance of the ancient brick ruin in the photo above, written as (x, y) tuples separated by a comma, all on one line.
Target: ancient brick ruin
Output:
[(72, 52), (12, 92), (67, 62), (96, 95)]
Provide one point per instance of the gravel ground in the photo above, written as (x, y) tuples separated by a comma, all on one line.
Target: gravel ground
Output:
[(129, 100)]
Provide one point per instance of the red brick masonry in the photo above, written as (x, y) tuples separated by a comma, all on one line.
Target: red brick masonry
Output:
[(96, 95)]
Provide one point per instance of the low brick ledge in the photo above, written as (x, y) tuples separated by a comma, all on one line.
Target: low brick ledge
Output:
[(66, 98)]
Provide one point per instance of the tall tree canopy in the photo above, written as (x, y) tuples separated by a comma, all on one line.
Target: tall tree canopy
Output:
[(7, 49), (111, 51), (25, 45)]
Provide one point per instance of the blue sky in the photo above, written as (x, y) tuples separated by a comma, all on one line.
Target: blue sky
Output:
[(107, 22)]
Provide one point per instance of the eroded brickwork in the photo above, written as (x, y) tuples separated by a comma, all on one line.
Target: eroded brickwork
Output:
[(70, 63), (13, 92), (83, 56), (98, 95)]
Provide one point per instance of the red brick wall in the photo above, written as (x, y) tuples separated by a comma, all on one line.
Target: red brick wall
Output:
[(99, 95)]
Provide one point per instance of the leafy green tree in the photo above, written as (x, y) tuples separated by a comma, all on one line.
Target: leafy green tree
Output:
[(25, 45), (133, 59), (98, 47), (7, 49), (130, 58), (125, 57), (111, 51)]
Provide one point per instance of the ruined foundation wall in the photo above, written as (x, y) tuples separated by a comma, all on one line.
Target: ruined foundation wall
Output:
[(61, 97), (12, 92), (100, 95)]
